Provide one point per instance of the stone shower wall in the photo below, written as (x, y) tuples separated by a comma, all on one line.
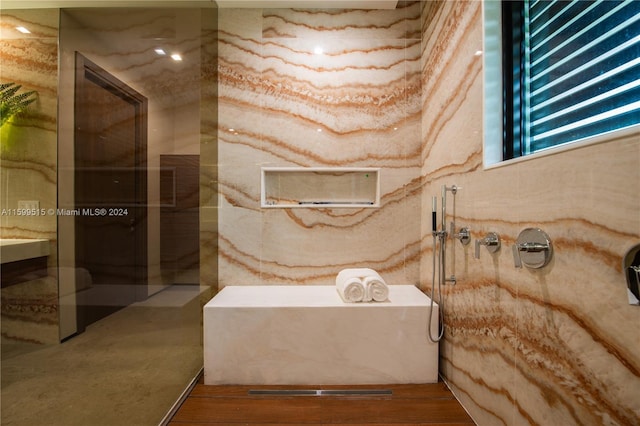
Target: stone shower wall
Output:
[(28, 167), (355, 105), (553, 346)]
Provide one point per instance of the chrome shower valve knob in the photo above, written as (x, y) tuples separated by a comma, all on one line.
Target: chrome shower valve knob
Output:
[(532, 248), (464, 235), (491, 241)]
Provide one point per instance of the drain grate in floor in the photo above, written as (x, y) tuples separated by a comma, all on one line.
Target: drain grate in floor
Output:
[(320, 392)]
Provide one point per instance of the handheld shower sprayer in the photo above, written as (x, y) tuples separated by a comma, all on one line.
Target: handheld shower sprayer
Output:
[(434, 208)]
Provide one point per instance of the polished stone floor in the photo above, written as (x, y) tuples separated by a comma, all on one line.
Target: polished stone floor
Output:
[(126, 369)]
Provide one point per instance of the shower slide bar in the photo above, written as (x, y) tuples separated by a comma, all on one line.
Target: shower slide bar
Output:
[(439, 255)]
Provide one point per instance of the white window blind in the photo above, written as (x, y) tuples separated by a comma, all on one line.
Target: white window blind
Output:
[(581, 66)]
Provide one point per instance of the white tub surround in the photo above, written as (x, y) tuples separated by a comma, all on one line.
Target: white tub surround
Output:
[(296, 335)]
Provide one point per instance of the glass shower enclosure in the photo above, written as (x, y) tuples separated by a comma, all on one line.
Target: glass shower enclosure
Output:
[(101, 211)]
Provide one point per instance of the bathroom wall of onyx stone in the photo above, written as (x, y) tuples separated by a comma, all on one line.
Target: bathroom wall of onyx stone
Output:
[(282, 105), (401, 90), (552, 346), (28, 167)]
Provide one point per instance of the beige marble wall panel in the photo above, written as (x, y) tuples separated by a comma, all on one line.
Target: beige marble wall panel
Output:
[(551, 346), (28, 168), (403, 22), (29, 141), (281, 104)]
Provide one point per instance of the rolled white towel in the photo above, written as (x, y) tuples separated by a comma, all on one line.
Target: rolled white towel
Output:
[(355, 272), (350, 288), (376, 288), (368, 277)]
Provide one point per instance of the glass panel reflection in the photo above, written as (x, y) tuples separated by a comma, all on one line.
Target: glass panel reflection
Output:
[(106, 328)]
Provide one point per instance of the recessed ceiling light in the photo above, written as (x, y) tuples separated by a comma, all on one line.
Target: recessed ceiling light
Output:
[(23, 30), (176, 57), (160, 51), (478, 53), (318, 50)]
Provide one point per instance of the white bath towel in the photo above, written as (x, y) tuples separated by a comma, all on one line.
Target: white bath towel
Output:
[(350, 289), (374, 287)]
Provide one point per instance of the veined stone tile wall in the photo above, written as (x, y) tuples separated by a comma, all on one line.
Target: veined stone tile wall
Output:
[(355, 105), (28, 168), (553, 346)]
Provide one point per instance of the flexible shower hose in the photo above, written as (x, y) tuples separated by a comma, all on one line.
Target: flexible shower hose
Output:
[(433, 281)]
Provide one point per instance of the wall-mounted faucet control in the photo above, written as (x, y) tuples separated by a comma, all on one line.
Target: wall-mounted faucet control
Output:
[(533, 249), (464, 235), (491, 241)]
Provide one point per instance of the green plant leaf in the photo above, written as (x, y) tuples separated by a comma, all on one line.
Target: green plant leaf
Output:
[(12, 103)]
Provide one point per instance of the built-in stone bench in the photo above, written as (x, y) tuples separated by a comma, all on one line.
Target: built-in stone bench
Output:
[(306, 335)]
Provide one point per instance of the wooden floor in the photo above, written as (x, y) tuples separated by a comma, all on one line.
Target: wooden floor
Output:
[(431, 404)]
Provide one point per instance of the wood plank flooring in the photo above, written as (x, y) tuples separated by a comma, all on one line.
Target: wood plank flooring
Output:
[(428, 405)]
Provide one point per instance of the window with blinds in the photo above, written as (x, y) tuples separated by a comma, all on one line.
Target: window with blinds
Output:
[(571, 71)]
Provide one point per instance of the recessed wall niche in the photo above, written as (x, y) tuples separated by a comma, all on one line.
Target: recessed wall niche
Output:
[(320, 187)]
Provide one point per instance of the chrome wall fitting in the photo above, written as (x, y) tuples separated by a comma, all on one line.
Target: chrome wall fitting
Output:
[(464, 235), (533, 249), (491, 241)]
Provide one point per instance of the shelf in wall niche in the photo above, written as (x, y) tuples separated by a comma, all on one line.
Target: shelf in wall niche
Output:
[(320, 187)]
